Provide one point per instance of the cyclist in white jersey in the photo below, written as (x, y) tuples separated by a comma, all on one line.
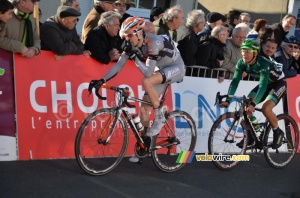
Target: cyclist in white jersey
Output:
[(148, 51)]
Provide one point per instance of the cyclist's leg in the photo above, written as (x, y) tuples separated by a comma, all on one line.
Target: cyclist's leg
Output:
[(268, 113), (250, 138), (175, 73), (145, 113), (275, 95), (145, 120), (148, 84)]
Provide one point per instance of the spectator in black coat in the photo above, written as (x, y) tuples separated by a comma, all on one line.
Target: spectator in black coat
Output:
[(285, 56), (214, 19), (58, 33), (282, 28), (102, 41), (210, 52), (187, 36)]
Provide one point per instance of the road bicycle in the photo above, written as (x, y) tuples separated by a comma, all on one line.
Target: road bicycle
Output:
[(102, 139), (231, 127)]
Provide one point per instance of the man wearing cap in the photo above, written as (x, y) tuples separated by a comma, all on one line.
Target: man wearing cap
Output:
[(91, 21), (170, 22), (121, 7), (21, 33), (58, 33), (156, 13), (285, 55), (213, 19), (71, 3)]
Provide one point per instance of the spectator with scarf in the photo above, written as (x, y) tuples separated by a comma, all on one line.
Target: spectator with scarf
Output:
[(20, 34)]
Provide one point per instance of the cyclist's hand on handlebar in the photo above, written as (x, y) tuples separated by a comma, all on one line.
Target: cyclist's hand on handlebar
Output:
[(250, 108), (223, 104), (95, 84)]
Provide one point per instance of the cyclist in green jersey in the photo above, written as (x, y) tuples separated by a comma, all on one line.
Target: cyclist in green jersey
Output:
[(270, 89)]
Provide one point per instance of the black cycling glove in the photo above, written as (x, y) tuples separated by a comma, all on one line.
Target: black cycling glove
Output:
[(96, 84), (127, 48)]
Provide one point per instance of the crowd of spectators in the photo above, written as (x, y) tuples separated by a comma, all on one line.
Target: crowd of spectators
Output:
[(210, 40)]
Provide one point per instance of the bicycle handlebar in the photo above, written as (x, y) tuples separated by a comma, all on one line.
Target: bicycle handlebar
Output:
[(220, 97), (124, 92)]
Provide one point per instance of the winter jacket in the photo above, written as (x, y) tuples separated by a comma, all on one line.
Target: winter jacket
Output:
[(91, 21), (99, 42), (12, 34), (59, 39)]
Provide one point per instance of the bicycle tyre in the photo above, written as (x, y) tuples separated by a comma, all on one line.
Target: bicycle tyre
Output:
[(93, 154), (180, 127), (218, 147), (288, 149)]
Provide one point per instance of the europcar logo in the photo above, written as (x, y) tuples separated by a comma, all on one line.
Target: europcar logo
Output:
[(2, 71)]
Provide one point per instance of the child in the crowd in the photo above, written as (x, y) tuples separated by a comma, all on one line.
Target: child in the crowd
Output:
[(6, 10)]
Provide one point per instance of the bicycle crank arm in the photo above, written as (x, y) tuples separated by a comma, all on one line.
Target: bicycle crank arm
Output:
[(163, 146)]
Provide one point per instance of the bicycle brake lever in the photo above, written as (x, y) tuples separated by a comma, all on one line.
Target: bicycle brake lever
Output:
[(217, 97)]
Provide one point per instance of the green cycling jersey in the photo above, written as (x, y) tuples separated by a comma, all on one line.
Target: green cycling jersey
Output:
[(265, 70)]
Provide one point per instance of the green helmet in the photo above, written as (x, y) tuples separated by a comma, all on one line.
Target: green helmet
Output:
[(250, 44)]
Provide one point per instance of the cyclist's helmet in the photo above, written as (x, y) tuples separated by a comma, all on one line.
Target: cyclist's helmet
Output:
[(250, 44), (133, 23)]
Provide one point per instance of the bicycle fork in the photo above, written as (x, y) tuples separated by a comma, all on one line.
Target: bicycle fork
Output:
[(234, 127)]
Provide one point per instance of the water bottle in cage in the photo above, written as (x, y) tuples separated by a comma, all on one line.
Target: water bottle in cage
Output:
[(137, 122), (255, 124)]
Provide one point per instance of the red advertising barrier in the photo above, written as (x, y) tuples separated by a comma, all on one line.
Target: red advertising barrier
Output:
[(7, 108), (52, 101), (293, 100)]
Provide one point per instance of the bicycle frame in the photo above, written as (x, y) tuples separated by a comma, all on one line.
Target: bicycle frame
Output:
[(242, 113), (121, 109)]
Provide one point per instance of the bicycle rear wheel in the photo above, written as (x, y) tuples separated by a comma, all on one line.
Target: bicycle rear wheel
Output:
[(98, 150), (225, 133), (285, 153), (177, 135)]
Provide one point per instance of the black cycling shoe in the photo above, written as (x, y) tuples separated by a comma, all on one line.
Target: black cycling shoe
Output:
[(250, 141), (277, 138)]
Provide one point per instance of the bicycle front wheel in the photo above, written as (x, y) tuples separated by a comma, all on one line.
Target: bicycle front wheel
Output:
[(101, 142), (282, 156), (177, 135), (225, 133)]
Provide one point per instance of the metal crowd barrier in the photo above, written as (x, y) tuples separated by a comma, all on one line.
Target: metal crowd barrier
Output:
[(205, 72)]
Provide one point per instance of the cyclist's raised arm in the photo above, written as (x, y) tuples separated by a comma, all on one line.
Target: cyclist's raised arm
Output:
[(154, 45), (117, 67)]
